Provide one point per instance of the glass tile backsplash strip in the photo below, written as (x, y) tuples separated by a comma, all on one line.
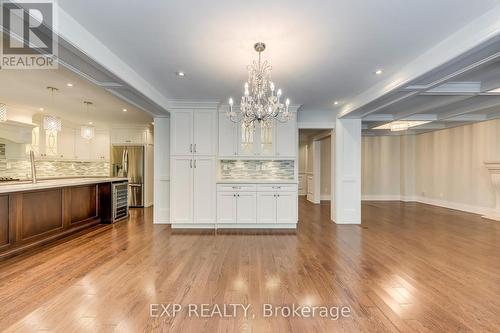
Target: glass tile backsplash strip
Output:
[(20, 169), (257, 169)]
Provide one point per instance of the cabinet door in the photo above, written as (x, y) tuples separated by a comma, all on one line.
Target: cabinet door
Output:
[(226, 207), (182, 133), (66, 143), (286, 207), (82, 148), (99, 147), (228, 132), (182, 190), (204, 190), (204, 133), (246, 207), (265, 140), (247, 145), (286, 142), (266, 207)]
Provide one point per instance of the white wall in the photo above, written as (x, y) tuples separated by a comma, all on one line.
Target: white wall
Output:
[(450, 169), (326, 168), (380, 167), (443, 168), (161, 209)]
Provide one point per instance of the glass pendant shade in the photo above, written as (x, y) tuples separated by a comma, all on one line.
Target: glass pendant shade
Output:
[(51, 123), (3, 112), (87, 132)]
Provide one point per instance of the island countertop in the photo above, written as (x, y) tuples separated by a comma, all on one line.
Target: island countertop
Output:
[(54, 183), (256, 181)]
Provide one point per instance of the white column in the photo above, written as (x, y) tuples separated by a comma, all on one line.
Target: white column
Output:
[(348, 171), (161, 209), (494, 170)]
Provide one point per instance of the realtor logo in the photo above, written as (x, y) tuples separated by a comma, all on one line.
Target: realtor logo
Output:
[(28, 39)]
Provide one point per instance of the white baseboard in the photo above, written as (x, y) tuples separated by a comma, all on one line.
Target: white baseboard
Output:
[(235, 226), (434, 202), (381, 198), (325, 197)]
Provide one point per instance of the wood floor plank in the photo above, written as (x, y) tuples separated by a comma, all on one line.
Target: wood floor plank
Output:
[(408, 268)]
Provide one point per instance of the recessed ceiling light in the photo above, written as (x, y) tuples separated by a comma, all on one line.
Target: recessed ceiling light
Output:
[(41, 109), (379, 71), (124, 110), (181, 74), (69, 84), (90, 123), (152, 123), (336, 103)]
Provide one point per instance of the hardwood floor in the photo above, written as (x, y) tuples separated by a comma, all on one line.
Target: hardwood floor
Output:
[(408, 268)]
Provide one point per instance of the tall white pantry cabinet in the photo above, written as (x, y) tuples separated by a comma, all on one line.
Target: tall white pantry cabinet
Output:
[(193, 150)]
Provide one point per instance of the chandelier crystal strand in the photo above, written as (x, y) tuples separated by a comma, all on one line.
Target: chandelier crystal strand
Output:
[(3, 112), (261, 101)]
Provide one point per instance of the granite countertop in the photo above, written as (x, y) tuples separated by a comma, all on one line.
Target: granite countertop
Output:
[(256, 181), (54, 183)]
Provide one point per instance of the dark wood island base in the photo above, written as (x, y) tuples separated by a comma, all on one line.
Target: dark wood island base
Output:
[(35, 217)]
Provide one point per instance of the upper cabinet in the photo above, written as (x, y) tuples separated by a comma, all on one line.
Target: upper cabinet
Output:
[(286, 138), (277, 141), (193, 132), (134, 136)]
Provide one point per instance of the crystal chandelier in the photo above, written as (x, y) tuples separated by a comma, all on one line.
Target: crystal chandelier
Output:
[(87, 132), (3, 112), (52, 123), (261, 100)]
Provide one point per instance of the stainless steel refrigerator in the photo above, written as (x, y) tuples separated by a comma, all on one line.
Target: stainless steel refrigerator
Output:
[(128, 162)]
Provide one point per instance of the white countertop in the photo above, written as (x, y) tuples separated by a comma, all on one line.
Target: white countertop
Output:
[(54, 183), (256, 181)]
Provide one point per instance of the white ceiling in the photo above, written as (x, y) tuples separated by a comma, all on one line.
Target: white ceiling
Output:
[(24, 92), (321, 50)]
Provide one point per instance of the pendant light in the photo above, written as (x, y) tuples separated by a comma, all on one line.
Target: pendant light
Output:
[(52, 123), (3, 112), (86, 131)]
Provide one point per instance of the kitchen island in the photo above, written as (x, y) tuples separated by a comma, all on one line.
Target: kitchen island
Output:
[(36, 214)]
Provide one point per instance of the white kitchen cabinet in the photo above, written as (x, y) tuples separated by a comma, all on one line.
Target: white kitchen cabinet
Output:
[(182, 190), (120, 136), (236, 207), (182, 133), (228, 136), (66, 143), (246, 203), (266, 207), (204, 190), (193, 132), (226, 207), (82, 148), (286, 138), (193, 190), (286, 207), (204, 132), (100, 147)]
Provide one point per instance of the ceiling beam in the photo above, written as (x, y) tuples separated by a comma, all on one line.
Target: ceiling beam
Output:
[(480, 31), (471, 107), (429, 107)]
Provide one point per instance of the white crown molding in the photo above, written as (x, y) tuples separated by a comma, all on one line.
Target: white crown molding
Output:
[(193, 104)]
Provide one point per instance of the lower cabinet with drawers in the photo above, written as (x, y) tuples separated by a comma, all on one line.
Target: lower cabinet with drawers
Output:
[(257, 205)]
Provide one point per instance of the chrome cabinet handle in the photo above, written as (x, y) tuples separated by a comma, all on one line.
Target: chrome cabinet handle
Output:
[(195, 164), (195, 147), (237, 187), (277, 187), (191, 148)]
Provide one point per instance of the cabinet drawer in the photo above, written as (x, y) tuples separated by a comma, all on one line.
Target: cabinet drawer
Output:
[(236, 187), (277, 187)]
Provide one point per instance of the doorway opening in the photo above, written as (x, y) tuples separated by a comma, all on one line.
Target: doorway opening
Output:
[(315, 166)]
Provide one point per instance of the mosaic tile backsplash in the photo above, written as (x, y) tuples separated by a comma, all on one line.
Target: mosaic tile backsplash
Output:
[(244, 170), (20, 169)]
